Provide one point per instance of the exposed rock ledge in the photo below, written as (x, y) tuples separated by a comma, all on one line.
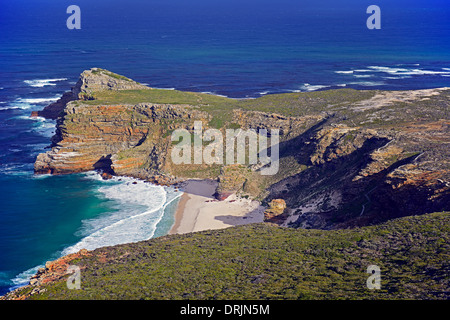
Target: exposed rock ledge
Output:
[(92, 80)]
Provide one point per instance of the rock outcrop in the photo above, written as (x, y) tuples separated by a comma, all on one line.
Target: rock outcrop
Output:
[(118, 139), (231, 180), (90, 81), (52, 272), (274, 213)]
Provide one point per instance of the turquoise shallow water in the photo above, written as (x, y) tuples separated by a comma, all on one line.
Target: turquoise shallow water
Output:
[(58, 215), (245, 48)]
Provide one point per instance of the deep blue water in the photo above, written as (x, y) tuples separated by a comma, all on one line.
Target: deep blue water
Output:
[(236, 48)]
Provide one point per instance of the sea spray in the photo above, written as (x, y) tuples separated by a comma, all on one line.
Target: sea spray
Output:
[(139, 207)]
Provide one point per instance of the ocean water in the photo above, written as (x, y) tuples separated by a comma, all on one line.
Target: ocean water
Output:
[(239, 49)]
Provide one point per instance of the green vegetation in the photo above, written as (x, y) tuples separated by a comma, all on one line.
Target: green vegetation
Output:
[(343, 103), (263, 261), (288, 104), (109, 73)]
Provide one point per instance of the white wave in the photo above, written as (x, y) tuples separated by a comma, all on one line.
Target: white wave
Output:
[(38, 100), (426, 72), (42, 126), (39, 83), (46, 128), (25, 104), (41, 176), (341, 85), (397, 78), (23, 278), (93, 175), (16, 169), (388, 69), (140, 208), (310, 87), (407, 64), (407, 72), (345, 72), (447, 69), (11, 108), (214, 94), (363, 75)]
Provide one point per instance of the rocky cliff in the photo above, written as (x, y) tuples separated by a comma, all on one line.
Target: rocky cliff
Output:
[(92, 80), (347, 157)]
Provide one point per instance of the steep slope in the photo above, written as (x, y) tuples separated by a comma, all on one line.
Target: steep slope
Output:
[(262, 261)]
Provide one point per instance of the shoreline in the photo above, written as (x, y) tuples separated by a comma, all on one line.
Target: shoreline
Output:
[(198, 210), (179, 213)]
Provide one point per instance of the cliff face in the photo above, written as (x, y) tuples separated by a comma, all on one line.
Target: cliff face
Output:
[(347, 158), (359, 176), (121, 139), (92, 80)]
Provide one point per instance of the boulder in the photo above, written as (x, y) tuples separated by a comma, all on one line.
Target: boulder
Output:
[(275, 212)]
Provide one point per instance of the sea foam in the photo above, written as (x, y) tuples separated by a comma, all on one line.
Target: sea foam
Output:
[(39, 83), (42, 126), (39, 100), (27, 103), (407, 71), (138, 210), (310, 87)]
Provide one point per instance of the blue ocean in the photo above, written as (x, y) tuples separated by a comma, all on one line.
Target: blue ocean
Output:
[(240, 49)]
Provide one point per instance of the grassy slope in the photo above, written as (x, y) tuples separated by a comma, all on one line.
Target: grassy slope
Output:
[(288, 104), (432, 108), (263, 261)]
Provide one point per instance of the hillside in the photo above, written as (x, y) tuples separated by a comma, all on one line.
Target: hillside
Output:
[(347, 157), (263, 261)]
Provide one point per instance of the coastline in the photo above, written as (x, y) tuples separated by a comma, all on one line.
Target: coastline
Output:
[(198, 210)]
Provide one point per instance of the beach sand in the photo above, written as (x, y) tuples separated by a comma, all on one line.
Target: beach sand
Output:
[(198, 210)]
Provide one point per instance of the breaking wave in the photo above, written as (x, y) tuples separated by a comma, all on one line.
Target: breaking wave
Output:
[(39, 83), (140, 207)]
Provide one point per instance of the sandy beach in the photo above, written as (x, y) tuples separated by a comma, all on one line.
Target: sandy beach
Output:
[(198, 210)]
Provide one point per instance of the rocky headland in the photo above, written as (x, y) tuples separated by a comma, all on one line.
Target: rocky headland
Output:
[(347, 157)]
